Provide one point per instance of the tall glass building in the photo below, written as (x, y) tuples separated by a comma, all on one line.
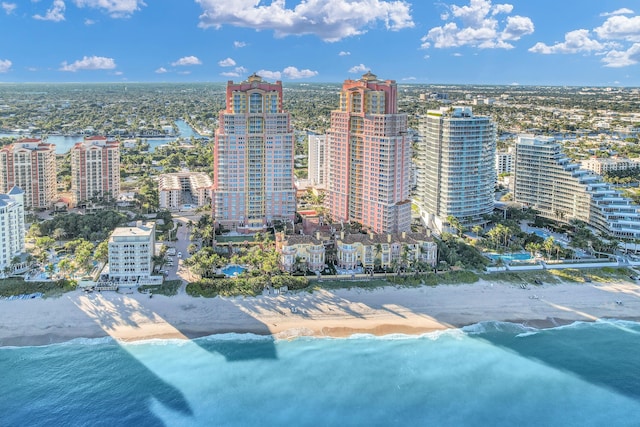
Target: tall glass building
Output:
[(548, 181), (253, 158), (456, 167)]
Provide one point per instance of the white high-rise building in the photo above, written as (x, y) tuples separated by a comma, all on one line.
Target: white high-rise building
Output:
[(131, 251), (456, 164), (548, 181), (318, 160), (11, 226), (504, 161)]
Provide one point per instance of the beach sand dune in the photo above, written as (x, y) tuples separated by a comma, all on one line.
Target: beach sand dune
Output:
[(337, 313)]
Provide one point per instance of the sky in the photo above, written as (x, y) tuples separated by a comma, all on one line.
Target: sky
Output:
[(525, 42)]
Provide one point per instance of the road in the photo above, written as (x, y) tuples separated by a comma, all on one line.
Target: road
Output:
[(178, 271)]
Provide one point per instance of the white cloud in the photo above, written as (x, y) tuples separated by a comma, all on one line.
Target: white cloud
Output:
[(618, 59), (184, 72), (343, 53), (115, 8), (9, 7), (240, 70), (409, 78), (230, 74), (623, 11), (89, 21), (574, 42), (620, 28), (238, 44), (229, 62), (90, 63), (270, 75), (55, 13), (358, 69), (187, 60), (161, 70), (617, 40), (5, 65), (331, 20), (476, 25), (293, 73)]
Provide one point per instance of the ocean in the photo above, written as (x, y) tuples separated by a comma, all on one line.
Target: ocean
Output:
[(490, 374)]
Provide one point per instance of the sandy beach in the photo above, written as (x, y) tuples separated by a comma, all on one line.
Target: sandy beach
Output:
[(339, 313)]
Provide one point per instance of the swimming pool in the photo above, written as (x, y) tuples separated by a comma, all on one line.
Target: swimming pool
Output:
[(233, 270), (540, 233), (520, 256)]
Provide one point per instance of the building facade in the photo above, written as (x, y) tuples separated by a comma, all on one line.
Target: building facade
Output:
[(370, 157), (384, 250), (131, 251), (253, 182), (30, 165), (548, 181), (301, 252), (95, 169), (504, 161), (602, 166), (177, 189), (318, 160), (456, 162), (12, 230)]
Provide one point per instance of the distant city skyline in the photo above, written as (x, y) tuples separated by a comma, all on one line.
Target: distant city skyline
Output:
[(542, 42)]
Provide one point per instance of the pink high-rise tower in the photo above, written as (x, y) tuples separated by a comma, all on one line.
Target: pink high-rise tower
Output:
[(370, 157), (253, 158)]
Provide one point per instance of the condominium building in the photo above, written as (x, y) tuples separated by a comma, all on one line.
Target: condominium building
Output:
[(193, 189), (456, 162), (95, 169), (548, 181), (253, 182), (370, 157), (384, 250), (602, 166), (318, 160), (29, 164), (301, 251), (11, 227), (131, 251), (504, 161)]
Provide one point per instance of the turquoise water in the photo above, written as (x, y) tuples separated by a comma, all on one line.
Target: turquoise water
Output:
[(233, 270), (511, 257), (492, 374), (64, 143)]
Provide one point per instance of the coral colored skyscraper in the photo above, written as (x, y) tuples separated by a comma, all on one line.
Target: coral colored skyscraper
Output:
[(253, 158), (370, 157)]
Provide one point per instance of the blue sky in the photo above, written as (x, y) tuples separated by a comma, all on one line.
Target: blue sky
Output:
[(528, 42)]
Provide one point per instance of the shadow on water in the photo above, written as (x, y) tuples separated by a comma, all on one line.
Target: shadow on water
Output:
[(599, 354), (125, 318), (92, 384)]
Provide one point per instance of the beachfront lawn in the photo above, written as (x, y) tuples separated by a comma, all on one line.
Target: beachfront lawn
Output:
[(17, 286), (243, 285), (168, 288), (552, 276)]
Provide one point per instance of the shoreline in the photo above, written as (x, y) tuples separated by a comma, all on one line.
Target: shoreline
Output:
[(336, 314)]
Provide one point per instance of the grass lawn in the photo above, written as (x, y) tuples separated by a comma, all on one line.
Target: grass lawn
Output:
[(17, 286), (577, 275), (168, 288)]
